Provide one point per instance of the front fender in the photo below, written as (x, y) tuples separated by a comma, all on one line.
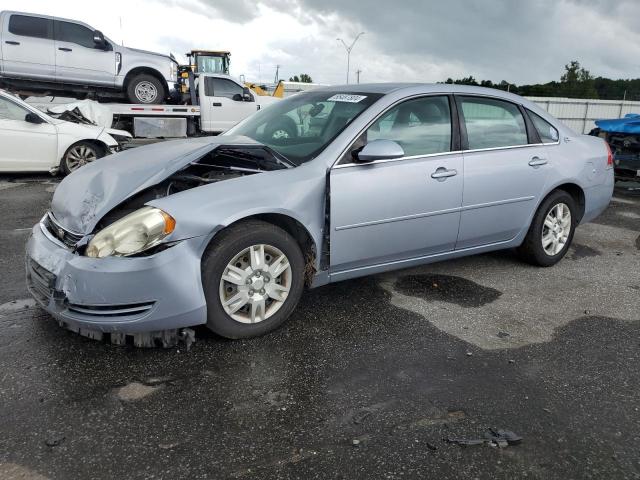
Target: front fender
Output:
[(297, 193)]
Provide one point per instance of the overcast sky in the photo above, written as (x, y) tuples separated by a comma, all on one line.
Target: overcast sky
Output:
[(406, 40)]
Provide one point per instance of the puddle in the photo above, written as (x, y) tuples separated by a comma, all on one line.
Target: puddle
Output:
[(446, 288), (579, 251)]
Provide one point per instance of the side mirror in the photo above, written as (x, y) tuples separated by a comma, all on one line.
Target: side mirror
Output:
[(380, 150), (33, 118), (246, 95), (237, 97), (98, 39)]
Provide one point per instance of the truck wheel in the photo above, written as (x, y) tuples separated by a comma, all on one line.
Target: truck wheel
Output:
[(144, 88), (253, 277), (80, 154)]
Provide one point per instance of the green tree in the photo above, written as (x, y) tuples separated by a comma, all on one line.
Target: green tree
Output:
[(577, 82), (304, 78)]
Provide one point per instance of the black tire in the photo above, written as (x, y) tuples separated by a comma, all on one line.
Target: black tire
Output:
[(227, 245), (532, 250), (67, 161), (140, 80)]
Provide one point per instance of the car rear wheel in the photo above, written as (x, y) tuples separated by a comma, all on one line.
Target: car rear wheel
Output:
[(253, 277), (80, 154), (551, 230), (145, 88)]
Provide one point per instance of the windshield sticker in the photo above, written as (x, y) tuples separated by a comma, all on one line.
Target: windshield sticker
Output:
[(345, 97)]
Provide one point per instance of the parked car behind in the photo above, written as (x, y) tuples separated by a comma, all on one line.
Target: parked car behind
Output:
[(48, 54), (32, 141), (226, 231), (623, 136)]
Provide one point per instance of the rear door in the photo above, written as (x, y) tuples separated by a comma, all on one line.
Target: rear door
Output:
[(505, 170), (220, 110), (28, 47), (25, 146), (78, 59)]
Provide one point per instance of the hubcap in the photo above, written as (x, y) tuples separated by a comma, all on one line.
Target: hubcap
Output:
[(280, 134), (556, 229), (255, 284), (146, 92), (80, 155)]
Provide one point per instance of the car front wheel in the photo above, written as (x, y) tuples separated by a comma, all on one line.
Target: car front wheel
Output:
[(80, 154), (253, 277), (551, 230)]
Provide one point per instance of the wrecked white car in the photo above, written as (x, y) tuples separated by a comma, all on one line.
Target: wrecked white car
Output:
[(323, 186), (32, 141)]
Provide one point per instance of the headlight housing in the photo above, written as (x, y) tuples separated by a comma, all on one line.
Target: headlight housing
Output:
[(135, 233)]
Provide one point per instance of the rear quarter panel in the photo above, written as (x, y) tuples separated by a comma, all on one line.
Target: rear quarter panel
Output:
[(582, 160)]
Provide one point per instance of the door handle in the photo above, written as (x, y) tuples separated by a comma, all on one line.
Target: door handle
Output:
[(11, 42), (217, 104), (64, 49), (537, 161), (442, 172)]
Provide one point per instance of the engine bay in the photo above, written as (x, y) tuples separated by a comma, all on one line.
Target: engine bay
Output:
[(223, 163)]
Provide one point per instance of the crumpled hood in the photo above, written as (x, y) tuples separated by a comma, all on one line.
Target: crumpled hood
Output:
[(89, 193)]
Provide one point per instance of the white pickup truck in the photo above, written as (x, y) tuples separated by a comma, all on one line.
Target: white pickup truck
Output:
[(221, 102), (51, 55)]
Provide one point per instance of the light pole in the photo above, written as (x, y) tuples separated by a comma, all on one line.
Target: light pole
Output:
[(348, 48)]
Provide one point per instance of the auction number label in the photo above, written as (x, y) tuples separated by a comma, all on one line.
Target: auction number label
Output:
[(344, 97)]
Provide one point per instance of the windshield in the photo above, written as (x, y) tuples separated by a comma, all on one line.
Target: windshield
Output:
[(210, 65), (301, 126)]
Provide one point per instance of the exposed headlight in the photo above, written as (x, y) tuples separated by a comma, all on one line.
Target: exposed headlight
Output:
[(137, 232)]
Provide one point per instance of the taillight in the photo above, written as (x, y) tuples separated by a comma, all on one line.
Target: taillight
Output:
[(609, 155)]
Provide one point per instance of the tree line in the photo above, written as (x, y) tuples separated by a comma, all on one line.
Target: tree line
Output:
[(575, 82)]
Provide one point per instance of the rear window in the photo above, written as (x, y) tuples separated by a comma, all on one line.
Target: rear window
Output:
[(30, 26), (547, 132), (493, 123)]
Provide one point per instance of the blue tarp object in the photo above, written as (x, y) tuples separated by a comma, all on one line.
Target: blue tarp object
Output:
[(630, 124)]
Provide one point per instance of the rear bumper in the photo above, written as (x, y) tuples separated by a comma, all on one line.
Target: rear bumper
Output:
[(117, 295)]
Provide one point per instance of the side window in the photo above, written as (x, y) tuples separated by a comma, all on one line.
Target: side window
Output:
[(547, 132), (420, 126), (30, 26), (222, 87), (74, 33), (11, 111), (493, 123)]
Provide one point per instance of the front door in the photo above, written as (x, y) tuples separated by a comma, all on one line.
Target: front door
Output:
[(505, 172), (28, 47), (25, 146), (222, 111), (388, 211), (79, 60)]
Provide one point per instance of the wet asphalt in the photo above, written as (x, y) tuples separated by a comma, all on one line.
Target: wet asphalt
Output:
[(365, 380)]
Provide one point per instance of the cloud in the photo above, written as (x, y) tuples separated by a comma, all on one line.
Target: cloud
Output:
[(407, 40)]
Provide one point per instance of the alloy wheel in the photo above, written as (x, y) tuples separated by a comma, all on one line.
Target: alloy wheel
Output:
[(556, 229), (80, 155), (255, 284)]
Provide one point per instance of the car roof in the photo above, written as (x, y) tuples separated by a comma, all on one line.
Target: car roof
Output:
[(387, 88)]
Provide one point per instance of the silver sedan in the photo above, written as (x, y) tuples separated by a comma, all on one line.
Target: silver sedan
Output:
[(324, 186)]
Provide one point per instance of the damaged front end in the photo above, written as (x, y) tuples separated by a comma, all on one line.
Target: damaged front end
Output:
[(144, 300)]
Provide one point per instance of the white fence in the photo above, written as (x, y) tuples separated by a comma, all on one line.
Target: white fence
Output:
[(579, 114)]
